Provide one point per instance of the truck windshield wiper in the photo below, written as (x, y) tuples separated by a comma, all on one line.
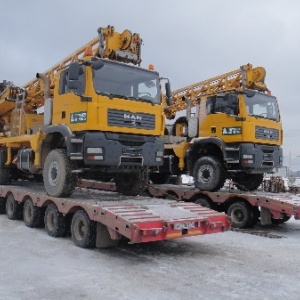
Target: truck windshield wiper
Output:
[(110, 95)]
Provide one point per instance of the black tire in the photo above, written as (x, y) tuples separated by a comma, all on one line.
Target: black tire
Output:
[(5, 176), (83, 230), (184, 122), (280, 221), (59, 180), (55, 222), (204, 202), (209, 174), (240, 214), (132, 184), (32, 215), (2, 205), (13, 209), (159, 178), (255, 216), (248, 182)]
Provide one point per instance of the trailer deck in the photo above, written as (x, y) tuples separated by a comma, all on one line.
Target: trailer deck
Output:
[(139, 219), (244, 208)]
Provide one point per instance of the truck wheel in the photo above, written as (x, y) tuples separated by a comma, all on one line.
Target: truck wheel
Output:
[(32, 215), (184, 122), (59, 181), (240, 214), (209, 174), (248, 182), (13, 208), (159, 178), (83, 230), (55, 222), (4, 176), (132, 184)]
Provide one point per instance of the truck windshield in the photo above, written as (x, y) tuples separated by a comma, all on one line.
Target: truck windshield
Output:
[(116, 80), (262, 106)]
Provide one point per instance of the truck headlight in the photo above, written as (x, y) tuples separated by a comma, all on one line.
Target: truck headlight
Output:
[(95, 153), (159, 155), (248, 158)]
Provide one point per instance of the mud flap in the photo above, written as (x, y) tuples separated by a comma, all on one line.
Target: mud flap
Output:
[(103, 237), (265, 216)]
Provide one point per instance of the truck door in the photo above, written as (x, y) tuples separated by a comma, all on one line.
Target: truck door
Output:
[(68, 107), (221, 118)]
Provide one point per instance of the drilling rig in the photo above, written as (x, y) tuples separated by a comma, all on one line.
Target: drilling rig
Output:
[(96, 112), (229, 128)]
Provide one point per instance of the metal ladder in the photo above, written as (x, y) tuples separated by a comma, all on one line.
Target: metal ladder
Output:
[(19, 114)]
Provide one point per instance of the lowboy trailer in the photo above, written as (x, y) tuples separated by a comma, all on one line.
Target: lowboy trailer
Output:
[(245, 209), (102, 218)]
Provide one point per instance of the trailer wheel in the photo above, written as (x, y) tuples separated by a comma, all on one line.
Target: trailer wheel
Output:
[(59, 180), (159, 178), (13, 208), (2, 205), (55, 222), (132, 184), (280, 221), (248, 182), (83, 230), (209, 174), (255, 216), (240, 214), (32, 215), (204, 202), (5, 176)]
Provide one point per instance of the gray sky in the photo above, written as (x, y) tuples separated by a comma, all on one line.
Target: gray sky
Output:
[(187, 41)]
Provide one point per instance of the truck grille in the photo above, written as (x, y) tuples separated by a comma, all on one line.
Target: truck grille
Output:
[(124, 118), (266, 133)]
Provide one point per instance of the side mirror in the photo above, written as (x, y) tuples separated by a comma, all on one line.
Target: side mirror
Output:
[(250, 93), (168, 93), (96, 65)]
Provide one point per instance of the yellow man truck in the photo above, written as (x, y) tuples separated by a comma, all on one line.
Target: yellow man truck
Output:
[(95, 112), (232, 129)]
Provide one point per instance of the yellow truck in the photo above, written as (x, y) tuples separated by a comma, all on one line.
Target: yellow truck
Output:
[(97, 112), (232, 130)]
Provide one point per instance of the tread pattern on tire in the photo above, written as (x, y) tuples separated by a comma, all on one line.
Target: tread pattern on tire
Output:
[(68, 182), (89, 236), (132, 184), (217, 179), (60, 223)]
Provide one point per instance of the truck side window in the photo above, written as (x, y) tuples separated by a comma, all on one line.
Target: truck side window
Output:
[(210, 105), (227, 104)]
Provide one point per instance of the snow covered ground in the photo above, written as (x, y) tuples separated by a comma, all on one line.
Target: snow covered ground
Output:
[(230, 265)]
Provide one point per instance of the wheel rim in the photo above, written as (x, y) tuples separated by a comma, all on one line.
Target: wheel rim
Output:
[(205, 173), (80, 229), (27, 211), (53, 173), (51, 221), (237, 215), (9, 206)]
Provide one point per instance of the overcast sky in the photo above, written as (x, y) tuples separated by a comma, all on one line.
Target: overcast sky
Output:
[(187, 41)]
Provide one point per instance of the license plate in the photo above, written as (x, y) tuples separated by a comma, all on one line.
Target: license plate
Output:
[(186, 225)]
